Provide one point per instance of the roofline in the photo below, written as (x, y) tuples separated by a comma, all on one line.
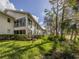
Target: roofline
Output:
[(17, 11), (35, 20), (6, 14)]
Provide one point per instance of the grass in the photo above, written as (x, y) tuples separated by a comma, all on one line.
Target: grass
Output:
[(13, 49), (24, 49)]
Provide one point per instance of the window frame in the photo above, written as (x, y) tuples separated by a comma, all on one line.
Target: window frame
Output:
[(8, 20)]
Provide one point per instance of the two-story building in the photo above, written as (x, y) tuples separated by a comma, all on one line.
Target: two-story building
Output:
[(24, 23), (6, 24)]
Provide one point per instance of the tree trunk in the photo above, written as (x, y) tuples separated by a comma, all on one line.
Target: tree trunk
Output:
[(72, 35), (57, 20), (62, 21), (75, 35)]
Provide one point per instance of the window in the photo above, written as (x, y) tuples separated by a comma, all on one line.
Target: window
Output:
[(23, 22), (29, 22), (19, 32), (15, 23), (37, 27), (29, 33), (20, 22), (8, 30), (15, 32), (8, 20)]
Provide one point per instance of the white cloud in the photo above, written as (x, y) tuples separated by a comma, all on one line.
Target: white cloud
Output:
[(36, 18), (42, 25), (6, 4), (21, 10), (43, 14), (1, 7)]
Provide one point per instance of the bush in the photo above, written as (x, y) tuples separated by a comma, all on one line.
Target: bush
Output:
[(62, 39), (13, 37), (6, 36), (56, 38), (51, 37), (20, 37)]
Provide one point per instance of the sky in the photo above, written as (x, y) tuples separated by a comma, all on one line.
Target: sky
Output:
[(35, 7), (6, 4)]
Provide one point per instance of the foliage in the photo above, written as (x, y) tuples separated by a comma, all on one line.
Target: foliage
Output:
[(21, 37), (49, 21), (73, 3), (39, 49), (24, 49), (56, 38), (12, 37), (64, 49)]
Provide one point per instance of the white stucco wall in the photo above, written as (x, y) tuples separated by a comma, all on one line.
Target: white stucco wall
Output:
[(17, 16), (27, 28), (5, 26)]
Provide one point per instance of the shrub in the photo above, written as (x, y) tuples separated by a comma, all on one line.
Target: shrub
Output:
[(62, 38), (51, 37), (12, 37), (20, 37), (6, 36), (56, 38)]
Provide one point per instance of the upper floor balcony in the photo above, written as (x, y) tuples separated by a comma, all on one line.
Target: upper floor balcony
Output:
[(21, 22)]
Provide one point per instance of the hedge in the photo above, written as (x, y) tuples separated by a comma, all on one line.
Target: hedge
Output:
[(13, 37)]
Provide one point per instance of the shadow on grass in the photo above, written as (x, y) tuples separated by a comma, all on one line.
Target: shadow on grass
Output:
[(15, 52), (66, 54)]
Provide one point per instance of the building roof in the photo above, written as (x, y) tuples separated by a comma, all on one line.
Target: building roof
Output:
[(6, 14), (22, 12)]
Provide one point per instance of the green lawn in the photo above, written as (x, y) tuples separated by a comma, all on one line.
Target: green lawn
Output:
[(34, 49), (24, 49)]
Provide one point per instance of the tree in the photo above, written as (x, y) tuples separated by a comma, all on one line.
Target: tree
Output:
[(58, 7), (48, 21), (55, 10), (59, 14), (71, 27)]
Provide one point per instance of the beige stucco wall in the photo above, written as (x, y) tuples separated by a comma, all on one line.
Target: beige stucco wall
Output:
[(17, 16), (5, 25)]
